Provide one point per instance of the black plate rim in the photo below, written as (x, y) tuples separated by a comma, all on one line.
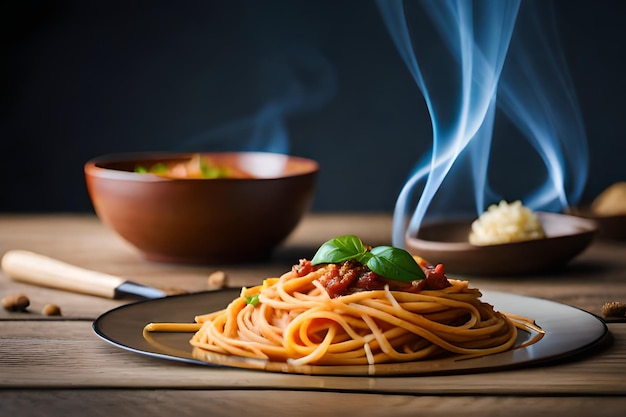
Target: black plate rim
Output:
[(600, 335)]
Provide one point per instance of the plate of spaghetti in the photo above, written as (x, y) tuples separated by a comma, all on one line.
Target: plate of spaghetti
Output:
[(354, 310)]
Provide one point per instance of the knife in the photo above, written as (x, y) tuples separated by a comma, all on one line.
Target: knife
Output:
[(33, 268)]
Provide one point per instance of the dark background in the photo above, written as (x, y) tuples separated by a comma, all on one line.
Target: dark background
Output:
[(84, 78)]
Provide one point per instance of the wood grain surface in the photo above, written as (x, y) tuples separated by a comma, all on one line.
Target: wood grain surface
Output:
[(54, 365)]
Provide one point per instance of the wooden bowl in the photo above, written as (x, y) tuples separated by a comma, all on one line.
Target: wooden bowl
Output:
[(206, 221), (447, 243)]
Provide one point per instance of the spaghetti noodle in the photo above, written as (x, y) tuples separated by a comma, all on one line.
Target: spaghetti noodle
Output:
[(296, 319)]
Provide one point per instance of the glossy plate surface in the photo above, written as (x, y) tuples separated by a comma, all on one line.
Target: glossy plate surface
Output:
[(448, 243), (569, 331)]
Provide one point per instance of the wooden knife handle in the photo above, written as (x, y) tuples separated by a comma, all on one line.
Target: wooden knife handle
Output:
[(33, 268)]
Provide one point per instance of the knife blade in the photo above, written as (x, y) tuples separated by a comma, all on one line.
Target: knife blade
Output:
[(34, 268)]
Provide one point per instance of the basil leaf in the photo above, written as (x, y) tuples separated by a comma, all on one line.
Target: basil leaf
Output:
[(209, 171), (158, 168), (394, 263), (254, 300), (339, 249), (388, 262)]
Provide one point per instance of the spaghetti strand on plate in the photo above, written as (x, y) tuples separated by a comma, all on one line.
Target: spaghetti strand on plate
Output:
[(346, 314)]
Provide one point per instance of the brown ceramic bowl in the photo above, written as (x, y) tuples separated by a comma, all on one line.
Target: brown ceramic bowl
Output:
[(609, 227), (207, 221), (447, 243)]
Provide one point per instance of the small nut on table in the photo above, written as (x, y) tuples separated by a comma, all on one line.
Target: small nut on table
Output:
[(51, 310), (217, 279), (16, 302), (614, 309)]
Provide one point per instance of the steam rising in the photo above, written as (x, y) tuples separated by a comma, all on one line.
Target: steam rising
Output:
[(297, 80), (476, 57)]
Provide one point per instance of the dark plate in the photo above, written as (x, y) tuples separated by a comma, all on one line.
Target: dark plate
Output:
[(448, 244), (569, 331)]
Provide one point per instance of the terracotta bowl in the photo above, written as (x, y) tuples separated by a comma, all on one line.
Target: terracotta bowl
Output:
[(447, 243), (206, 221)]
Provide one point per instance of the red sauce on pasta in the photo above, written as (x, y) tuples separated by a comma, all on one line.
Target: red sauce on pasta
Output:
[(352, 276)]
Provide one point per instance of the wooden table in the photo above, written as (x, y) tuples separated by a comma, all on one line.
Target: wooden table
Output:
[(57, 366)]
